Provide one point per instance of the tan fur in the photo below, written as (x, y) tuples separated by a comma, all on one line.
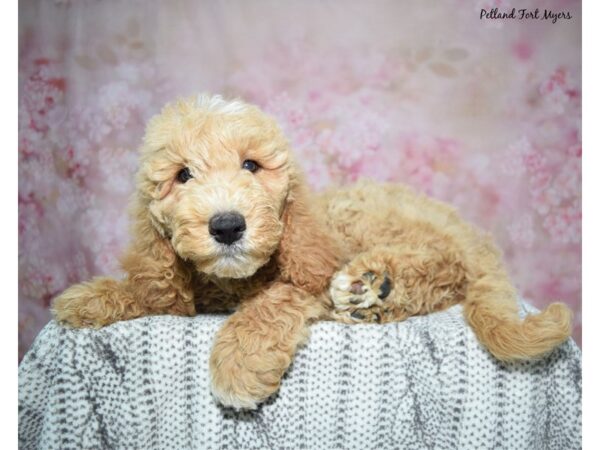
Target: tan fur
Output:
[(434, 260), (279, 278)]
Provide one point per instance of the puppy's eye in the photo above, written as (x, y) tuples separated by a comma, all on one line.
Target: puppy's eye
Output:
[(184, 175), (250, 165)]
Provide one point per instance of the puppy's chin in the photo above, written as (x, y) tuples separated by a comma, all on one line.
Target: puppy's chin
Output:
[(232, 266)]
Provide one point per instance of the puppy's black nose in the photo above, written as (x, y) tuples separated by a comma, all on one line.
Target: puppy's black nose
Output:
[(227, 228)]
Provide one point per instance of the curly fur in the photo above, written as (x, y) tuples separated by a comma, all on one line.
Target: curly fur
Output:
[(365, 253)]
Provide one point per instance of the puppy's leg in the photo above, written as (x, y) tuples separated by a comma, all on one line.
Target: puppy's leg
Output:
[(146, 291), (157, 283), (102, 301), (255, 346), (95, 303), (391, 283)]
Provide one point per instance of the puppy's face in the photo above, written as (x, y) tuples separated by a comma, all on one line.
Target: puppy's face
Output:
[(215, 176)]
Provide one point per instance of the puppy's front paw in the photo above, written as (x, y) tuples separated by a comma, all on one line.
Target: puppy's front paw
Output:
[(242, 381), (93, 304)]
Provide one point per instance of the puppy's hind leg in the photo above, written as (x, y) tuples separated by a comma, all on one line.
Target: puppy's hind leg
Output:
[(391, 283)]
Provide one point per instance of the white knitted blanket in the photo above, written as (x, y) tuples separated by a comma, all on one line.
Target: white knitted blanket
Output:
[(423, 383)]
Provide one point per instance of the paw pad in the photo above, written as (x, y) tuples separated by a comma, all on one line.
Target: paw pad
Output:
[(362, 298), (357, 314), (385, 288), (358, 287), (367, 315)]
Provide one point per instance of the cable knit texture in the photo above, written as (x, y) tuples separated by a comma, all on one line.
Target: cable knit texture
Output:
[(423, 383)]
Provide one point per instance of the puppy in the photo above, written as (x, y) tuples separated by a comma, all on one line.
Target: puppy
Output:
[(223, 221)]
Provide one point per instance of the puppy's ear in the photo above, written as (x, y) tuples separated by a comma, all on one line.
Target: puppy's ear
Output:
[(308, 256), (156, 276)]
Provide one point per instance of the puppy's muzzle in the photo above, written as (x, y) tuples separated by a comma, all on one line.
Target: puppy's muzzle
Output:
[(227, 228)]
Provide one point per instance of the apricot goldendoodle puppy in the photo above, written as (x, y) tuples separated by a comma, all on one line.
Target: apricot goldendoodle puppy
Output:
[(224, 221)]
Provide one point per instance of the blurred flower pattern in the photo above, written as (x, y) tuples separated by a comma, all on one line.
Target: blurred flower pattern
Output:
[(484, 114)]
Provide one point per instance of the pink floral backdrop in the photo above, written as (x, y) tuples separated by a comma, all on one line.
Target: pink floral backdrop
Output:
[(485, 114)]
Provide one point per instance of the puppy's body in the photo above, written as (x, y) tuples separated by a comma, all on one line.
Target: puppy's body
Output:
[(224, 222), (409, 255)]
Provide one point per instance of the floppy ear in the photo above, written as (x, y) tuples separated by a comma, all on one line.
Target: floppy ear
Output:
[(308, 256), (156, 276)]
